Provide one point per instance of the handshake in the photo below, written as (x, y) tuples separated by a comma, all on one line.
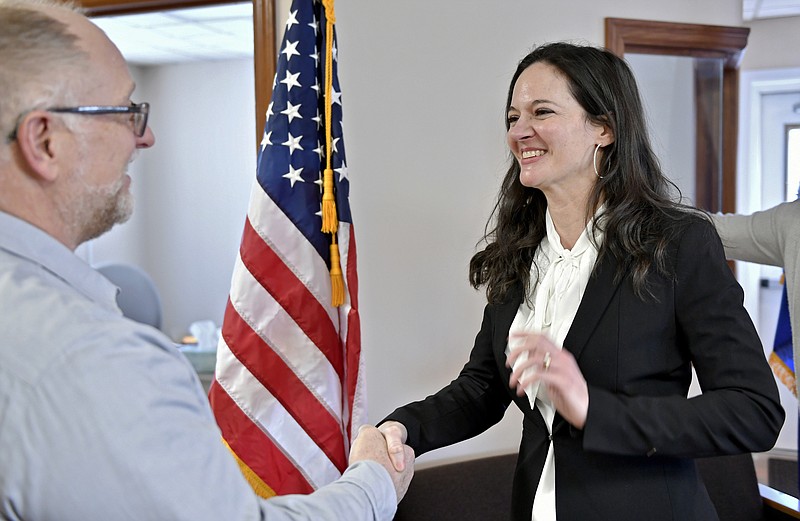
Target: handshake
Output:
[(386, 445)]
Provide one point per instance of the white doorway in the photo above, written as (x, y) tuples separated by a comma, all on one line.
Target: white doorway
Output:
[(767, 112)]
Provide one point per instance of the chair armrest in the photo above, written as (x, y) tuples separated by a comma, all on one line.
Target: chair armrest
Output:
[(776, 501)]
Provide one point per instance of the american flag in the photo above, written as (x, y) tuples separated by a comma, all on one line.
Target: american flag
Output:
[(288, 393)]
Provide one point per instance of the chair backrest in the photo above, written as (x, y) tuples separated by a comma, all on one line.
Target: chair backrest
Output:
[(481, 489), (477, 489), (138, 296)]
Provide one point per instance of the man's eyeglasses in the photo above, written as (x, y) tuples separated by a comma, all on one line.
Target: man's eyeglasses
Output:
[(138, 111)]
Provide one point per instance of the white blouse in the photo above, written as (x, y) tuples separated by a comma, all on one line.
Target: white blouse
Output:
[(563, 276)]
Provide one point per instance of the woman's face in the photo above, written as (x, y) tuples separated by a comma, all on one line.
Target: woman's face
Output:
[(550, 135)]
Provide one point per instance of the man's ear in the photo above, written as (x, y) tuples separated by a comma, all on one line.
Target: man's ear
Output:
[(36, 136)]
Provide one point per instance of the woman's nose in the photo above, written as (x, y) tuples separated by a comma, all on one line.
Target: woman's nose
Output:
[(521, 129)]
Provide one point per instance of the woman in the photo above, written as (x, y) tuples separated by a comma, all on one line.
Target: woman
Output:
[(589, 253)]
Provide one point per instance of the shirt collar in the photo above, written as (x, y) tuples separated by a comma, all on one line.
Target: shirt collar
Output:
[(22, 239)]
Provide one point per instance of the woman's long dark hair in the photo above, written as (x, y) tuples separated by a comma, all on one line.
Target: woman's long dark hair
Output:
[(640, 216)]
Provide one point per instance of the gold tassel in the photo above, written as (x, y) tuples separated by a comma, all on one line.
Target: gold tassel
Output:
[(337, 279), (330, 221)]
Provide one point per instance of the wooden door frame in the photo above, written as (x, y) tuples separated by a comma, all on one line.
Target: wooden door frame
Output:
[(715, 191), (264, 44)]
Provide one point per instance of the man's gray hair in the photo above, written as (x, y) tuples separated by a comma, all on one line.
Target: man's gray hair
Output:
[(40, 59)]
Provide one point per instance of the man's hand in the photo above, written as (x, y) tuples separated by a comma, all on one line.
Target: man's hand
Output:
[(371, 445)]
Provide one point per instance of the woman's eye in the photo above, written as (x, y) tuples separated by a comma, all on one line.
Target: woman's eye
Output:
[(511, 120), (543, 112)]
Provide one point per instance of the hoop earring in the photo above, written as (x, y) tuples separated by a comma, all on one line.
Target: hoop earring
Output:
[(594, 161)]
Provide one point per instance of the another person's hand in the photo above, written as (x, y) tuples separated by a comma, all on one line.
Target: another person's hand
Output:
[(371, 445), (396, 435), (555, 368)]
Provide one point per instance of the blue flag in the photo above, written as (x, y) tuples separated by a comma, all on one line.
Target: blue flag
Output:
[(782, 358)]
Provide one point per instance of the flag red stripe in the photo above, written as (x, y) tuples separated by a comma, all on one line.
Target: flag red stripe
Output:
[(293, 296), (255, 448), (353, 342), (268, 368)]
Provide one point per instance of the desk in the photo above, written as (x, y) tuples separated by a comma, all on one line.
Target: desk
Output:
[(204, 363)]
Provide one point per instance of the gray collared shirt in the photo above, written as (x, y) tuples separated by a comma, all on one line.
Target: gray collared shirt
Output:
[(103, 418)]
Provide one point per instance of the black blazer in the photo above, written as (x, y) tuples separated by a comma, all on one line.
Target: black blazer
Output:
[(633, 459)]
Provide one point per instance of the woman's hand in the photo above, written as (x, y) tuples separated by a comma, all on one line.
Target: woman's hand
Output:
[(395, 434), (534, 358)]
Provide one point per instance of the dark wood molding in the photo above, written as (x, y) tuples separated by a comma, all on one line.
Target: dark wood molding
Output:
[(265, 56), (115, 7), (676, 39), (716, 190), (264, 44)]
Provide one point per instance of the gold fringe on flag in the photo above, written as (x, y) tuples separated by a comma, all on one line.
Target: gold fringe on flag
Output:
[(782, 371), (260, 488), (330, 220)]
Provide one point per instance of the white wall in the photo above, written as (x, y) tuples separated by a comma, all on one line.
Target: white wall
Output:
[(667, 89), (773, 44), (191, 188)]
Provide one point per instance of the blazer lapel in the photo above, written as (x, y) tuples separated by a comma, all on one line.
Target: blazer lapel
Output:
[(503, 320), (600, 289)]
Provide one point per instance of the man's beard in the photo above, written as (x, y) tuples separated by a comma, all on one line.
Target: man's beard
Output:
[(105, 207), (94, 210)]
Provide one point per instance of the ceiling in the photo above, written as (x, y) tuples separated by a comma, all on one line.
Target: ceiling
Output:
[(226, 32), (197, 34), (758, 9)]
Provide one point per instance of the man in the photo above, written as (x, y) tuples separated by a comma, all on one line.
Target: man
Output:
[(769, 237), (100, 417)]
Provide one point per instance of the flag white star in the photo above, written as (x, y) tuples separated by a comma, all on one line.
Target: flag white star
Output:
[(335, 142), (335, 52), (319, 150), (267, 140), (316, 58), (336, 97), (290, 50), (269, 110), (315, 86), (291, 20), (294, 175), (342, 172), (318, 120), (292, 111), (291, 80), (293, 143), (314, 25)]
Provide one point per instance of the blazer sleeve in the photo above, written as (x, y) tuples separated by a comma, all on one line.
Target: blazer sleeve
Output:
[(469, 405), (760, 237), (739, 409)]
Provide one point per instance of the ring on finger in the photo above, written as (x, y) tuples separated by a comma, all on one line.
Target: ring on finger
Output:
[(546, 362)]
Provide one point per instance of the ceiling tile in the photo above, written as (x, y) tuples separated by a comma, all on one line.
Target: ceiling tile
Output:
[(197, 34)]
